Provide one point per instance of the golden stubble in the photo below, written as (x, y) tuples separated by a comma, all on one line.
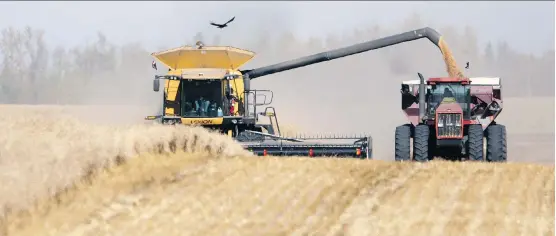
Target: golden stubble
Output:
[(153, 180), (44, 151)]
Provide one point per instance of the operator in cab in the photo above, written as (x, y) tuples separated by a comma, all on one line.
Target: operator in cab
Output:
[(231, 100), (201, 105), (448, 93)]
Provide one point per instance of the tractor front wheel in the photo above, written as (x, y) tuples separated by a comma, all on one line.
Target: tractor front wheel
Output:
[(421, 143), (496, 143), (403, 137)]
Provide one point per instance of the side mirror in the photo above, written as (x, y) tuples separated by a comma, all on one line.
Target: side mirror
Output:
[(156, 85)]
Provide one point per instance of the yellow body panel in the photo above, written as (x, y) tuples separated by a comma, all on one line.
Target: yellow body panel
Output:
[(171, 87), (188, 57), (202, 121), (199, 73), (169, 111)]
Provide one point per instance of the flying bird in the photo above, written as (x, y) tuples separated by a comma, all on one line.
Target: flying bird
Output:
[(220, 26), (467, 65)]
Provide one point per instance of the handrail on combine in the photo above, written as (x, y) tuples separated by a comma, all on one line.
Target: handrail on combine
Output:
[(256, 93)]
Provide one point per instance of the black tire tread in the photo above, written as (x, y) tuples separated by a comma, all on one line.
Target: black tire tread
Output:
[(421, 143), (402, 143), (496, 143), (475, 142)]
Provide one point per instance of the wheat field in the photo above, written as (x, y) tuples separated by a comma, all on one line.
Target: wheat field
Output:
[(63, 176)]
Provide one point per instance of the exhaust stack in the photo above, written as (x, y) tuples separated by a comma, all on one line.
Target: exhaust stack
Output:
[(422, 94)]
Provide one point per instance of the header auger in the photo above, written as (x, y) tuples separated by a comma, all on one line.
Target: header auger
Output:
[(204, 86)]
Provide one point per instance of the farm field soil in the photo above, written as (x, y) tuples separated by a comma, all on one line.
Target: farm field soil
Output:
[(182, 194)]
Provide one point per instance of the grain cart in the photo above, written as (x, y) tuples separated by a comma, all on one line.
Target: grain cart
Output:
[(450, 117)]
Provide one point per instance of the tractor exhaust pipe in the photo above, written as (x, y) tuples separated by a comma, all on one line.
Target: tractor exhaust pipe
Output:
[(422, 94)]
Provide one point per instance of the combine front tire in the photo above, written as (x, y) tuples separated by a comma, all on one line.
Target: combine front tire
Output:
[(475, 142), (496, 143), (403, 137), (421, 143)]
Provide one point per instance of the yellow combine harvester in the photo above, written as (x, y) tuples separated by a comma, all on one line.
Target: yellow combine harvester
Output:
[(204, 86)]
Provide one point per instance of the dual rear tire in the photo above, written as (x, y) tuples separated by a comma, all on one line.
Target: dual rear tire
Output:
[(421, 134), (496, 148), (403, 143), (495, 137), (496, 143)]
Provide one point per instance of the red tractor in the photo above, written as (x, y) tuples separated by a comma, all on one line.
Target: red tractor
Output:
[(451, 118)]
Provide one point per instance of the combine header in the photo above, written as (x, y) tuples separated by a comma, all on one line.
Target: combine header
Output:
[(301, 145), (264, 144)]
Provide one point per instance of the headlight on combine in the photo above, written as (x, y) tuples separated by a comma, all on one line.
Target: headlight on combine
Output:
[(449, 125)]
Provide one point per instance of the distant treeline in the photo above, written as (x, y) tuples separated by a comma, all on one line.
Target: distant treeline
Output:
[(32, 73)]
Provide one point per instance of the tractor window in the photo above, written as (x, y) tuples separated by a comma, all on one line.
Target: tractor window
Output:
[(460, 92), (201, 98)]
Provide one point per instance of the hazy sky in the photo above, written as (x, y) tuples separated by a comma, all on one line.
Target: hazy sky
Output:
[(526, 26)]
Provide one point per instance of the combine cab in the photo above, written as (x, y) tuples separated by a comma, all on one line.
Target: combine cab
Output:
[(451, 118), (203, 88)]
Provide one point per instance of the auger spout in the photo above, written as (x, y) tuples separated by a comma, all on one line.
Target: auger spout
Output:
[(426, 32)]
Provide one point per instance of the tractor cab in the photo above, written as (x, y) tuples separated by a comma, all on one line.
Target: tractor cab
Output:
[(448, 96)]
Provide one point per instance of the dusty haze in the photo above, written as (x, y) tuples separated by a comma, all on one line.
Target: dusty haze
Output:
[(108, 63)]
